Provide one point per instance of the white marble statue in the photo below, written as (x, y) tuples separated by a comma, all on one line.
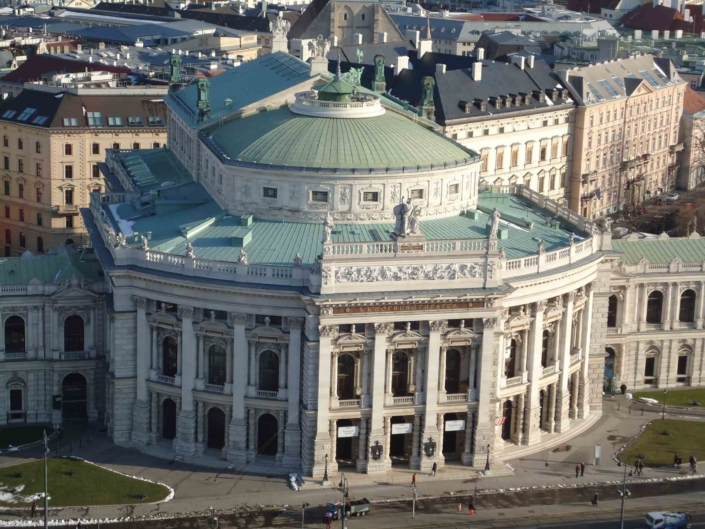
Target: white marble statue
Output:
[(494, 228), (279, 27), (319, 48), (121, 240), (328, 225), (242, 256), (401, 213), (189, 250), (145, 243), (414, 215)]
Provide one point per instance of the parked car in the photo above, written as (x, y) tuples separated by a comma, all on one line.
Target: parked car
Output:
[(669, 199), (668, 520), (358, 507)]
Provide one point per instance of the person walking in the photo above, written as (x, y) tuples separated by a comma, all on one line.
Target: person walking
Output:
[(577, 470), (675, 460), (434, 469), (471, 507), (582, 469), (33, 510), (691, 462), (413, 480), (595, 500)]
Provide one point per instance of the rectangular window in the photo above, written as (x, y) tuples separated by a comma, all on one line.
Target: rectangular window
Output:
[(7, 188), (370, 196), (156, 121), (544, 153), (554, 150), (68, 171), (20, 144), (21, 189), (416, 193), (135, 146), (15, 400), (68, 197), (545, 123), (115, 121), (269, 192), (26, 113), (116, 146), (21, 215), (7, 212), (5, 141), (68, 149), (95, 171), (95, 148), (39, 195), (515, 156), (39, 169), (319, 196), (453, 189), (95, 119), (650, 367), (134, 121), (20, 166), (40, 220), (565, 147), (682, 365), (483, 167), (38, 147), (155, 145), (500, 160), (69, 221), (70, 122)]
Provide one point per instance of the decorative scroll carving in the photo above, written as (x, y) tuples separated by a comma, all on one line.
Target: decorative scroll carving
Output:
[(185, 312), (438, 326), (569, 297), (328, 330), (489, 323), (140, 302), (239, 319), (384, 328), (295, 323)]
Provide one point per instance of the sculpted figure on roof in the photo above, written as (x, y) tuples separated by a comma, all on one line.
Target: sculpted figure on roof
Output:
[(401, 212), (328, 225), (494, 227), (279, 27), (319, 47)]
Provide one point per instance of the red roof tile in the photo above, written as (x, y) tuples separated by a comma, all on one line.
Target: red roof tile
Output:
[(38, 65), (693, 102), (662, 18)]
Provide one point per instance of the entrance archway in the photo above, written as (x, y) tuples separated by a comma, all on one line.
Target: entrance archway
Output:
[(344, 445), (216, 428), (267, 435), (74, 396), (169, 419), (397, 443), (450, 439), (507, 420)]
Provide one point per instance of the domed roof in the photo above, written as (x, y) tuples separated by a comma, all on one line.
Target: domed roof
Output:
[(282, 138)]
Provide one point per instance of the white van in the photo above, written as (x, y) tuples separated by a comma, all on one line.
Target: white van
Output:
[(667, 520)]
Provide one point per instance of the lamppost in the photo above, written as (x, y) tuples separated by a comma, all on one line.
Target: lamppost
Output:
[(430, 447), (325, 471), (413, 504), (487, 463), (46, 482), (303, 514), (663, 413), (623, 493), (344, 484)]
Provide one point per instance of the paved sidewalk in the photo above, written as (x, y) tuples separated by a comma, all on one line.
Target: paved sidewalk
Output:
[(198, 488)]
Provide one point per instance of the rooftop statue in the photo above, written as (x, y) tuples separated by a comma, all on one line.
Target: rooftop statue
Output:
[(379, 68), (203, 88), (328, 225), (402, 212), (494, 228), (279, 27), (175, 64), (319, 47)]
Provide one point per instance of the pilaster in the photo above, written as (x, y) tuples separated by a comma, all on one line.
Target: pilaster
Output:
[(532, 420), (431, 432), (322, 443), (237, 449), (292, 449), (140, 413), (377, 421), (484, 429), (563, 395)]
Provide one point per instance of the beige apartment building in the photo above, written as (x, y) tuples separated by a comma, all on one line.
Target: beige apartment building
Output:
[(625, 134), (52, 145)]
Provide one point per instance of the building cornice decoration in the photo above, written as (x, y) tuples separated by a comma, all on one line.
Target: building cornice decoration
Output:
[(438, 326), (185, 312), (328, 331), (83, 312), (384, 328), (370, 274), (15, 310), (489, 323), (239, 319)]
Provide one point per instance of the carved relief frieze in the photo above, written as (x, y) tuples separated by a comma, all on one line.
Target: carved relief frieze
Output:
[(370, 274)]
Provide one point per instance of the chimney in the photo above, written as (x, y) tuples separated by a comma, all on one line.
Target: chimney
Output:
[(519, 61), (333, 41), (477, 71), (440, 68), (480, 53), (415, 37), (401, 64), (637, 34), (679, 33), (666, 34), (357, 39), (531, 61), (654, 33), (382, 36)]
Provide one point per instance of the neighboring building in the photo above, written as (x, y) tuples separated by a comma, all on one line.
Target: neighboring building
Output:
[(499, 44), (655, 335), (51, 147), (625, 136), (52, 338), (665, 19), (692, 135)]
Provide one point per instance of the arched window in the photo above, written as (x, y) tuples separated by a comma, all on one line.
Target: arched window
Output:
[(452, 371), (73, 333), (40, 245), (507, 420), (170, 356), (345, 16), (400, 374), (216, 365), (510, 356), (654, 307), (544, 349), (269, 371), (346, 377), (14, 335), (612, 312), (687, 307)]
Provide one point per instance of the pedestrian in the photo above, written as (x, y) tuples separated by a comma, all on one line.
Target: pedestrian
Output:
[(471, 507), (582, 469), (675, 460), (691, 461), (595, 500), (680, 461), (434, 468), (695, 467), (413, 480), (577, 470), (460, 507), (33, 510)]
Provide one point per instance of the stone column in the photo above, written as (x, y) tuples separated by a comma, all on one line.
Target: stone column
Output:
[(473, 351), (228, 420), (251, 435), (643, 306), (365, 397), (388, 371), (186, 421), (252, 391), (28, 333), (433, 361), (584, 378), (551, 419), (292, 449), (154, 429), (524, 354), (180, 359), (532, 431), (415, 459), (201, 372), (699, 307), (442, 374), (200, 425), (361, 463), (518, 434), (441, 434), (378, 383), (237, 449), (140, 412), (90, 331), (485, 428), (563, 396), (41, 314), (322, 444), (667, 312), (466, 457), (281, 420), (334, 379), (333, 432), (282, 373), (387, 435)]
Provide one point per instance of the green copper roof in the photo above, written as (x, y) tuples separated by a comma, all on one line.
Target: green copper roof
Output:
[(280, 137), (661, 251), (48, 269)]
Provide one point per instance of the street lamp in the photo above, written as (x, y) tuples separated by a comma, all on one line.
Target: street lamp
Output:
[(487, 463), (303, 514), (624, 493), (376, 451), (325, 471), (344, 484), (430, 447), (663, 413)]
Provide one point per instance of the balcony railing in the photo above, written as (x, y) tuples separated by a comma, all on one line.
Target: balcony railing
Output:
[(16, 356), (214, 388), (514, 381), (403, 400), (66, 209), (16, 416), (635, 162), (547, 371), (678, 147), (261, 394), (457, 397), (75, 355), (350, 403), (166, 380), (574, 359)]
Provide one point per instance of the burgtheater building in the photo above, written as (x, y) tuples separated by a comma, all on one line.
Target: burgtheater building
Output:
[(310, 275)]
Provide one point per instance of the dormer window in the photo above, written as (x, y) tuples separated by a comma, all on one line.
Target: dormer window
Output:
[(542, 97), (508, 102), (483, 106)]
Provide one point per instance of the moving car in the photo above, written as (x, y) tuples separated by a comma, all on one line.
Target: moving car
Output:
[(668, 520)]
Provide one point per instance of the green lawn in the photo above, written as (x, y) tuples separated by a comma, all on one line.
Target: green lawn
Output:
[(680, 397), (22, 435), (687, 438), (89, 484)]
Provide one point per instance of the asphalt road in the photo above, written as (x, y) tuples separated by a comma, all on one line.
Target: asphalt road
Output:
[(631, 523)]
